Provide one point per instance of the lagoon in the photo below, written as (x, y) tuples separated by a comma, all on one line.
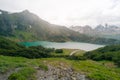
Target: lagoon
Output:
[(68, 45)]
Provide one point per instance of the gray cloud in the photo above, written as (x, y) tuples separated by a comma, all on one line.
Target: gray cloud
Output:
[(69, 12)]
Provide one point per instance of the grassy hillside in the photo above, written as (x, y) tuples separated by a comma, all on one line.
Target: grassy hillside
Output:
[(25, 63), (21, 68), (8, 44), (10, 48), (111, 53), (93, 69), (22, 36)]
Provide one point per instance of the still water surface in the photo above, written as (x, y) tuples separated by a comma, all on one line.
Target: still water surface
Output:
[(70, 45)]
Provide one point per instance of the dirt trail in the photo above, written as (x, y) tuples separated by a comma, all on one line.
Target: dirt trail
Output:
[(72, 53), (59, 73)]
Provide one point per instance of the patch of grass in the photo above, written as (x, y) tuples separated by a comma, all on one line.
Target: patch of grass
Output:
[(66, 52), (56, 62), (8, 63), (79, 53), (22, 36), (96, 70), (26, 73), (93, 69), (44, 67), (108, 64)]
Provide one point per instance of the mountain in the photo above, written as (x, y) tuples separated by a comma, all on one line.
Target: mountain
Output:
[(107, 31), (26, 26), (82, 29), (99, 29)]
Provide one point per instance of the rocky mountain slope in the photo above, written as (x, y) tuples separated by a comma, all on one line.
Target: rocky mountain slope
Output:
[(26, 26), (107, 31)]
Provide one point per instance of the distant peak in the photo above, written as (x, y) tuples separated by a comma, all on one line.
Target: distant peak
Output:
[(2, 11), (26, 11)]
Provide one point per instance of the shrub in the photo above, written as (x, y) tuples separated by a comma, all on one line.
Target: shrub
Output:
[(58, 51)]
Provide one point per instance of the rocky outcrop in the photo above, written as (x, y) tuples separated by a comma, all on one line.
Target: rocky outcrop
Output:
[(59, 73)]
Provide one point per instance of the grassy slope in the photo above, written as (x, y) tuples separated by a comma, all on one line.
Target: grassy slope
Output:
[(26, 67), (103, 70), (93, 69), (79, 53), (68, 51), (22, 35), (65, 52)]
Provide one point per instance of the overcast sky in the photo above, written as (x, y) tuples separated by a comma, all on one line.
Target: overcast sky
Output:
[(69, 12)]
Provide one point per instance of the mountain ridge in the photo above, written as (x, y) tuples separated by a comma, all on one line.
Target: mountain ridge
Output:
[(107, 31), (26, 26)]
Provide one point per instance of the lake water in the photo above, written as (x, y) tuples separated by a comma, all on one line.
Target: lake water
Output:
[(70, 45)]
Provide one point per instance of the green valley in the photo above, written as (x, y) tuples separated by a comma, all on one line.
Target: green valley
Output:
[(21, 68), (20, 62)]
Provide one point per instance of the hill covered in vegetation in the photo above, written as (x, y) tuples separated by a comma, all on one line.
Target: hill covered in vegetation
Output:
[(17, 63), (10, 48), (111, 53), (20, 68), (26, 26)]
